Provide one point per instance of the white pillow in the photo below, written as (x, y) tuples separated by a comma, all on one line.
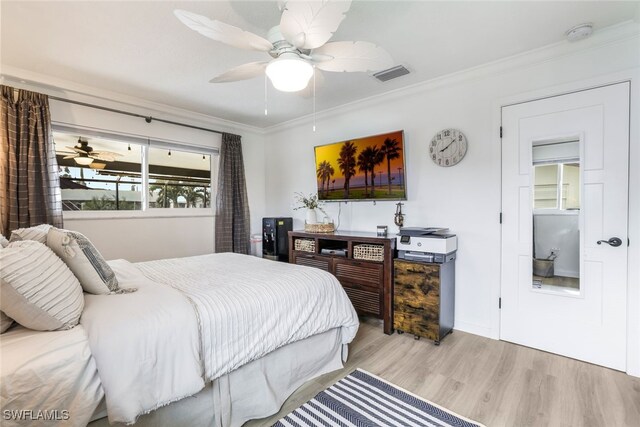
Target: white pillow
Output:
[(3, 241), (37, 289), (95, 275), (5, 322), (37, 233)]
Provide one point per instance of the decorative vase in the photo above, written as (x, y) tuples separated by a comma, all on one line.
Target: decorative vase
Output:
[(311, 216)]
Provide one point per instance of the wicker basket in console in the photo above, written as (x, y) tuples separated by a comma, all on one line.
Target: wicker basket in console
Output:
[(305, 245), (368, 252), (320, 228)]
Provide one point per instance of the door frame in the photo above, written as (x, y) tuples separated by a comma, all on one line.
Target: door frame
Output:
[(633, 223)]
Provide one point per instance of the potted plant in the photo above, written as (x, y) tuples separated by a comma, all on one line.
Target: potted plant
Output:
[(310, 203)]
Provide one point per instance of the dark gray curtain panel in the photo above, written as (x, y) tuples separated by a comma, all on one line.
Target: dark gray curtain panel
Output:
[(29, 181), (232, 203)]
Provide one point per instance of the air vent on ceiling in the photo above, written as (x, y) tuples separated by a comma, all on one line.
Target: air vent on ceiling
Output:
[(391, 73)]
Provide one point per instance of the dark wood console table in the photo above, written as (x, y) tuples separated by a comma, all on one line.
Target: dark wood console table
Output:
[(368, 283)]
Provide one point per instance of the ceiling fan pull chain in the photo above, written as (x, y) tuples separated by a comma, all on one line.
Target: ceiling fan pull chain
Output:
[(314, 98), (265, 95)]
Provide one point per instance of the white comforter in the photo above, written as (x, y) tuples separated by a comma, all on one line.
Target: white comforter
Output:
[(47, 378), (248, 306), (145, 345), (215, 314)]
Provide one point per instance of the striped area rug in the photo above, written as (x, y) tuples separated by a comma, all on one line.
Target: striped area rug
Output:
[(362, 399)]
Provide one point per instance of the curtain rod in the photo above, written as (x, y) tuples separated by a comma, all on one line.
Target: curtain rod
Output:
[(147, 119)]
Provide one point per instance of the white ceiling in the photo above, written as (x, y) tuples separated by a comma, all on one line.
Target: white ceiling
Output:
[(140, 49)]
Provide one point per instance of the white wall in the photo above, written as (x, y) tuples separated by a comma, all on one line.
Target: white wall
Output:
[(145, 239), (559, 231), (466, 197), (151, 235)]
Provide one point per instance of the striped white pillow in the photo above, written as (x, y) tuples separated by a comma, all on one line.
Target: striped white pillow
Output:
[(37, 233), (95, 275), (37, 289)]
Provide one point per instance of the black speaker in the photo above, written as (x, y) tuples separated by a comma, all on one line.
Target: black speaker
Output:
[(275, 238)]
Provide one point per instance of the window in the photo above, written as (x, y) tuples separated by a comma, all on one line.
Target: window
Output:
[(545, 189), (570, 186), (102, 174), (556, 174), (557, 186), (108, 180), (179, 179)]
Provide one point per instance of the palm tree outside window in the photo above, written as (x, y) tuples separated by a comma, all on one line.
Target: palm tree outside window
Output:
[(182, 180)]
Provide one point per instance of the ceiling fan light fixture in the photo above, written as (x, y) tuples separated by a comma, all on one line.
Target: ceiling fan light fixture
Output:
[(97, 165), (289, 73), (84, 161)]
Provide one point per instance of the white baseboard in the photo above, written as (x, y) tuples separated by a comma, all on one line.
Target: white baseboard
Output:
[(473, 328), (566, 273)]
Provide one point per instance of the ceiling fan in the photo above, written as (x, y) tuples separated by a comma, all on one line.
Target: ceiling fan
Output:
[(84, 155), (297, 45)]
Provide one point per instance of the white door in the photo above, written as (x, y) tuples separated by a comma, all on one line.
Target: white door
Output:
[(564, 189)]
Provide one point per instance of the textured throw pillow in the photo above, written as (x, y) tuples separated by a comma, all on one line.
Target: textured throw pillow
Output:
[(37, 289), (37, 233), (5, 322), (95, 275)]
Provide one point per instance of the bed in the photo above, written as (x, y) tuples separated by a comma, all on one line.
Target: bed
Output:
[(209, 340), (63, 360)]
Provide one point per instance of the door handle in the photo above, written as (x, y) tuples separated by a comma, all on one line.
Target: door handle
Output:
[(614, 241)]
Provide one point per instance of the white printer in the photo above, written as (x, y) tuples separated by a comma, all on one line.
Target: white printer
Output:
[(433, 244)]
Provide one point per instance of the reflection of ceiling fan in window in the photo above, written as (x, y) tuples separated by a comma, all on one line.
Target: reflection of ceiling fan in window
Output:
[(298, 45), (84, 155)]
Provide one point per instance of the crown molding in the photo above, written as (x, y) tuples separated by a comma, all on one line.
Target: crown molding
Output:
[(66, 89), (611, 35), (29, 80)]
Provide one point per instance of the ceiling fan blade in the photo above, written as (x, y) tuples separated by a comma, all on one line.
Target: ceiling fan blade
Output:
[(106, 153), (77, 150), (222, 32), (307, 92), (71, 156), (241, 72), (103, 158), (310, 24), (106, 156), (351, 56)]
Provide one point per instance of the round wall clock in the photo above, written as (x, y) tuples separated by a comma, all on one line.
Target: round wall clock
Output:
[(448, 147)]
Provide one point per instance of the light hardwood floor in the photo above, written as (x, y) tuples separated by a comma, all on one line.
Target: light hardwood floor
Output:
[(493, 382)]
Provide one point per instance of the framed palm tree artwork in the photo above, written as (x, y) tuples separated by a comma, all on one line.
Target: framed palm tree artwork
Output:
[(369, 168)]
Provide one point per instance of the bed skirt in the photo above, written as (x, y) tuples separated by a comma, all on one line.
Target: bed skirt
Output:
[(256, 390)]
